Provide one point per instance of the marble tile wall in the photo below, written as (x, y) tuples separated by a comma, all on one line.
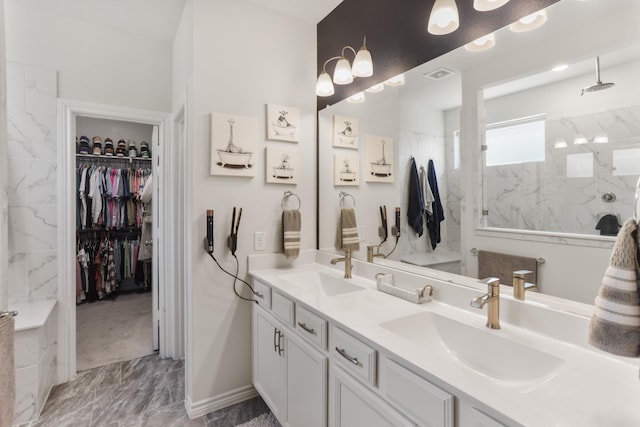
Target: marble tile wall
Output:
[(32, 154), (541, 196)]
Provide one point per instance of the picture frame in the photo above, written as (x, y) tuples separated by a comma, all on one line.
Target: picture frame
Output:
[(282, 165), (283, 123), (379, 159), (345, 132), (234, 145), (346, 169)]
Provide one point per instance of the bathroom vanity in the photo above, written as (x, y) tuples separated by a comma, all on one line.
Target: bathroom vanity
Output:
[(337, 352)]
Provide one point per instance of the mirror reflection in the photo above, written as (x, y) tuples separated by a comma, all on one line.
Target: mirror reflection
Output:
[(527, 194)]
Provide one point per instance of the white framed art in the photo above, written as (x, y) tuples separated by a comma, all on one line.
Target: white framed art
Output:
[(234, 144), (283, 123), (379, 159), (345, 132), (346, 169), (283, 165)]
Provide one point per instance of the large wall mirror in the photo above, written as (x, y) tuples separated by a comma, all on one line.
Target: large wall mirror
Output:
[(557, 162)]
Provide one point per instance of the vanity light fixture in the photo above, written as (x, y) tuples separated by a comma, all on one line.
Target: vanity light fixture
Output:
[(529, 22), (344, 73), (356, 98), (395, 80), (481, 43), (560, 67), (444, 17), (378, 87), (560, 143), (580, 139), (486, 5)]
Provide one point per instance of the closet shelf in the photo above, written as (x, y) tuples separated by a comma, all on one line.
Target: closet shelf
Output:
[(92, 157)]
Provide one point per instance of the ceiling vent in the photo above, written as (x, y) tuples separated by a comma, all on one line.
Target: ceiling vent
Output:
[(439, 74)]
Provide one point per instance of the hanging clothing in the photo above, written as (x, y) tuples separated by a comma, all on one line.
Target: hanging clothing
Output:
[(146, 238), (426, 192), (434, 220), (415, 206)]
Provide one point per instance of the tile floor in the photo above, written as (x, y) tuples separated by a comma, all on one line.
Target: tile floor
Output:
[(148, 391)]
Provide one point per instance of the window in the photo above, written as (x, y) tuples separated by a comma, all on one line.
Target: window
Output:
[(516, 141)]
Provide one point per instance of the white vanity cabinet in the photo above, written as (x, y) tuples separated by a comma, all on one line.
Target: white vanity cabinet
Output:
[(354, 405), (289, 374)]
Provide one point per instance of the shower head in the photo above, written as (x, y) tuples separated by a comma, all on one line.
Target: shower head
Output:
[(598, 85)]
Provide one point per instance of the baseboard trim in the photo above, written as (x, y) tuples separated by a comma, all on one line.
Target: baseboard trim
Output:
[(203, 407)]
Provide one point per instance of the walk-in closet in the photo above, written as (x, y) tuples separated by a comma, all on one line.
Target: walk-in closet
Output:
[(114, 243)]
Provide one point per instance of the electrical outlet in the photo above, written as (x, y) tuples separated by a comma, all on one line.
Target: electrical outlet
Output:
[(361, 231), (259, 241)]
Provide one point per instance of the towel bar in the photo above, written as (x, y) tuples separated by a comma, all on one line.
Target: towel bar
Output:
[(286, 196), (539, 260), (8, 313)]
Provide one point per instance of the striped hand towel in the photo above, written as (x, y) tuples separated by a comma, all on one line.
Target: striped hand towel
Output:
[(349, 229), (291, 224), (615, 324)]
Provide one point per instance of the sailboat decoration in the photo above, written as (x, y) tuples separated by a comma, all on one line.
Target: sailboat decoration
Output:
[(233, 156)]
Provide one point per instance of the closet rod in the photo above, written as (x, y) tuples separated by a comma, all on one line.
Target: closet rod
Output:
[(92, 157)]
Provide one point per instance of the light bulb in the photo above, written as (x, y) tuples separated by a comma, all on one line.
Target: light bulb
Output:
[(324, 87), (482, 43), (395, 80), (342, 74), (486, 5), (363, 64), (356, 98), (379, 87), (529, 22), (443, 18)]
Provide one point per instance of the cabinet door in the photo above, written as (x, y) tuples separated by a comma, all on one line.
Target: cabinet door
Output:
[(268, 361), (306, 384), (353, 405)]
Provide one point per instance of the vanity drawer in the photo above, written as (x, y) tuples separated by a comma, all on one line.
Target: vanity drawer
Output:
[(421, 401), (312, 327), (353, 355), (262, 294), (283, 308)]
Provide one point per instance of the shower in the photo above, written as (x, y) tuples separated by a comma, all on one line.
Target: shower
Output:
[(598, 85)]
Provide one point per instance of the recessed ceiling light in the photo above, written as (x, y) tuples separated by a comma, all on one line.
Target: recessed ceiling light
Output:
[(560, 67), (375, 88), (356, 98)]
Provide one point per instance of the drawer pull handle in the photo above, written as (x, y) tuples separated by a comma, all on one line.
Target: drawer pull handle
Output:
[(259, 295), (306, 328), (344, 354), (280, 346), (276, 340)]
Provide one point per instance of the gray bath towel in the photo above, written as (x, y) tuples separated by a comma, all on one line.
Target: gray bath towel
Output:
[(502, 266), (291, 224), (7, 372), (348, 230), (615, 324)]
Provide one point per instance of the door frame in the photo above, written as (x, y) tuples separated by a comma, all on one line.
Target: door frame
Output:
[(68, 110)]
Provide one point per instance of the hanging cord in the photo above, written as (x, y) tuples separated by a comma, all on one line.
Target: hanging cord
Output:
[(235, 278), (394, 247)]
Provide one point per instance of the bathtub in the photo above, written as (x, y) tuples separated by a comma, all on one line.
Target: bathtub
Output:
[(440, 259)]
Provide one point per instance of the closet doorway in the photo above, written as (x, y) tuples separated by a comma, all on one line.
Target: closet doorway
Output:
[(141, 287), (115, 294)]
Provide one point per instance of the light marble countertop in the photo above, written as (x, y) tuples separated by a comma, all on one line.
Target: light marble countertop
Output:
[(590, 388)]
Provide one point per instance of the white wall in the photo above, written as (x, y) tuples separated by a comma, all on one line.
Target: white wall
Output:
[(244, 57), (4, 249), (95, 63)]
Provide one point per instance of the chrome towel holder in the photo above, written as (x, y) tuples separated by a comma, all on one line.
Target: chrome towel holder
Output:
[(343, 195), (286, 196)]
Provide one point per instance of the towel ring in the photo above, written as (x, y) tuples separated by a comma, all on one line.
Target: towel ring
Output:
[(286, 196), (8, 314), (343, 195)]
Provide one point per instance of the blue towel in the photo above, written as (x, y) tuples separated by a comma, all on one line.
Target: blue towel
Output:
[(434, 220), (416, 201)]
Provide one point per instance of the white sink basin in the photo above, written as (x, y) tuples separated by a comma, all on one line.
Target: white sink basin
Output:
[(324, 283), (479, 349)]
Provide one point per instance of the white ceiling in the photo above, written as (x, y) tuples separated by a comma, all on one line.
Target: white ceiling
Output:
[(159, 19), (311, 11)]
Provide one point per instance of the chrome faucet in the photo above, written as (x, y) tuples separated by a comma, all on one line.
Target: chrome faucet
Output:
[(371, 255), (347, 263), (520, 285), (493, 298)]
